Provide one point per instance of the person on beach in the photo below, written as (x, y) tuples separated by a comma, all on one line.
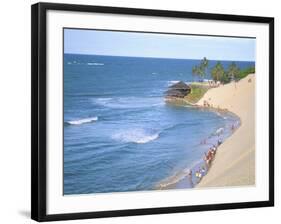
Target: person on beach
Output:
[(206, 104), (212, 152), (198, 175), (209, 154), (206, 159), (190, 178), (203, 171), (232, 127), (215, 148)]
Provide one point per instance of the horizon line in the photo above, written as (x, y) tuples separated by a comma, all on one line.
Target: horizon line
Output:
[(159, 57)]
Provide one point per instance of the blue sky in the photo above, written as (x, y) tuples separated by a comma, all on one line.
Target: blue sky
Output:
[(158, 45)]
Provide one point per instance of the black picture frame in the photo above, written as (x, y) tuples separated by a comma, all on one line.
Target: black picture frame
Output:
[(39, 122)]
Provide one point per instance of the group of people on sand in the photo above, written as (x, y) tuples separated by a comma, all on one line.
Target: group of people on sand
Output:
[(206, 104), (208, 158), (210, 154), (199, 173), (234, 126), (213, 83)]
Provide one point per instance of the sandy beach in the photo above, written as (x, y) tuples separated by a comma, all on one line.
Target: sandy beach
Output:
[(234, 163), (140, 120)]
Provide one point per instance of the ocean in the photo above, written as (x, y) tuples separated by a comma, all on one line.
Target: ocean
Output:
[(120, 135)]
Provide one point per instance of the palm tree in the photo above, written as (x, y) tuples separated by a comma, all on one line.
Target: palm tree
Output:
[(200, 70), (205, 62), (233, 71), (218, 73), (194, 71), (203, 67)]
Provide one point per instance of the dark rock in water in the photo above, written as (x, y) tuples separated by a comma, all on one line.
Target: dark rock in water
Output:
[(179, 90)]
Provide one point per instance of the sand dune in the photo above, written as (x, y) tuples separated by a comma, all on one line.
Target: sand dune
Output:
[(234, 164)]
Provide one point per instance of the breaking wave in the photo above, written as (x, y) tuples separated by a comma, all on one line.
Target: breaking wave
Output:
[(95, 63), (129, 102), (178, 176), (82, 121), (172, 82), (139, 136)]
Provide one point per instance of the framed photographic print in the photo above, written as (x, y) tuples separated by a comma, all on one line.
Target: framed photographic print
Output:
[(139, 111)]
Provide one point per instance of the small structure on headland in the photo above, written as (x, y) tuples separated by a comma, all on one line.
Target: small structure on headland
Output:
[(178, 90)]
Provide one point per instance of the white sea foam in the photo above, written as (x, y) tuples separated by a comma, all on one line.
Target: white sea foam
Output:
[(83, 121), (129, 102), (172, 82), (139, 136), (178, 176), (95, 63), (221, 115), (219, 131)]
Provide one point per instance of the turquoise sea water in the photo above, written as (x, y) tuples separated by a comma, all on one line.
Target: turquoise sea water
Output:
[(119, 135)]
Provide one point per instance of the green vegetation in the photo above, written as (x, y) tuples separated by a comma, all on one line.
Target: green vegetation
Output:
[(201, 69), (243, 73), (233, 73), (219, 73), (197, 92)]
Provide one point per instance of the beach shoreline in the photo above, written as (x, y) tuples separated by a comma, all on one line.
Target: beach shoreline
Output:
[(234, 162)]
